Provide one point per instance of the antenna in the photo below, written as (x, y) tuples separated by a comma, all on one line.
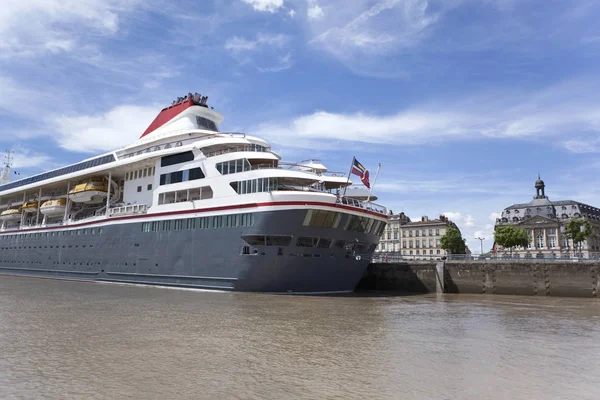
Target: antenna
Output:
[(8, 161)]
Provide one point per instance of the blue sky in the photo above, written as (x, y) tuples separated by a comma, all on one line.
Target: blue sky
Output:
[(462, 101)]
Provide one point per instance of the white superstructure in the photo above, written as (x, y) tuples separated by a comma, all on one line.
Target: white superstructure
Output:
[(181, 163)]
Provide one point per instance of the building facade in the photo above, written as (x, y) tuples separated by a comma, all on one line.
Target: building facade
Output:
[(415, 240), (545, 222)]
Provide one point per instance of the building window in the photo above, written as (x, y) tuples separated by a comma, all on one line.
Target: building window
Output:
[(437, 252), (540, 241), (437, 242), (410, 252), (403, 232), (417, 243), (430, 242), (139, 189), (424, 243), (404, 243), (389, 235), (551, 231), (395, 233), (410, 244), (551, 242), (430, 251), (437, 232), (417, 252), (410, 233), (423, 232), (565, 243)]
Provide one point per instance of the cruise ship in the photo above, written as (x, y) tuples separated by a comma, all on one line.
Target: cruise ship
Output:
[(190, 206)]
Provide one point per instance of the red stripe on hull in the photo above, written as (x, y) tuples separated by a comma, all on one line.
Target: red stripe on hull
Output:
[(204, 210)]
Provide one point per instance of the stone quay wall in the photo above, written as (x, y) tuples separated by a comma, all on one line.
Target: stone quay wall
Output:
[(528, 278)]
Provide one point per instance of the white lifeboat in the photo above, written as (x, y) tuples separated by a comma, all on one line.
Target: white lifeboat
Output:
[(10, 215), (54, 208), (30, 206), (92, 191)]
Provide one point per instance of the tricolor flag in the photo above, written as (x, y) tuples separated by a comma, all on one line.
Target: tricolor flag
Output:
[(358, 169)]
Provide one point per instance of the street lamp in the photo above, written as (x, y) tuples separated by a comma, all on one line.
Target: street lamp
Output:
[(481, 242)]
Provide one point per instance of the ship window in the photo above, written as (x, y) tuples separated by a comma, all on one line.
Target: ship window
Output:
[(254, 240), (177, 159), (150, 187), (204, 123), (307, 241), (233, 166), (324, 243), (278, 240), (218, 221), (139, 189), (247, 220), (196, 173)]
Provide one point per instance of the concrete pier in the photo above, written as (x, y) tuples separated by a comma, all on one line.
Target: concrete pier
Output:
[(528, 278)]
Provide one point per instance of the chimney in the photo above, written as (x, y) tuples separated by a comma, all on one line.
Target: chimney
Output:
[(424, 218)]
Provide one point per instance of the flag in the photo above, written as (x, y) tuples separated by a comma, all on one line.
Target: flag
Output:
[(358, 169)]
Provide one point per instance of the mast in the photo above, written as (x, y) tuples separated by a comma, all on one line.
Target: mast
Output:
[(8, 161)]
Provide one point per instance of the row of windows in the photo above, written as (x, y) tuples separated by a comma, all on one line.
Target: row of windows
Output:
[(218, 221), (181, 176), (422, 243), (322, 219), (142, 173), (88, 231), (193, 194), (62, 171), (42, 247), (233, 166), (364, 224), (303, 241), (409, 233), (416, 252), (255, 185)]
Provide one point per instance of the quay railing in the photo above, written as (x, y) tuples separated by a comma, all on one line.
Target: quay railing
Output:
[(394, 258)]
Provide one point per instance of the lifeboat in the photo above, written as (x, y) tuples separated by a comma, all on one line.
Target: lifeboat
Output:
[(54, 208), (30, 206), (92, 191), (11, 215)]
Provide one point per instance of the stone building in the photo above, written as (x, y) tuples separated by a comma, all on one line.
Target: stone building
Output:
[(545, 222), (418, 239)]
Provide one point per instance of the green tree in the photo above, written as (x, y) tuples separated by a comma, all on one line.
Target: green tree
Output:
[(509, 236), (453, 242), (578, 230)]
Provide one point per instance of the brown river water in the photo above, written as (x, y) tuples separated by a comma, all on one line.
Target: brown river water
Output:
[(74, 340)]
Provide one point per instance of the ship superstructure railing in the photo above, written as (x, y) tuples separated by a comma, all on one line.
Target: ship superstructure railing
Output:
[(131, 209), (153, 146), (364, 205)]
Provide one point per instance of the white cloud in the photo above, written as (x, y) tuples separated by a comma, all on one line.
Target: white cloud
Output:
[(362, 32), (291, 13), (524, 115), (266, 53), (238, 44), (27, 158), (493, 216), (461, 220), (117, 127), (33, 27), (315, 12), (265, 5)]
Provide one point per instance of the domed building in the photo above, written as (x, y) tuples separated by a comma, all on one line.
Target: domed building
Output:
[(545, 222)]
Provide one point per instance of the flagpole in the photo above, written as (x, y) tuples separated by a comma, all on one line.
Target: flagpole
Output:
[(374, 181), (349, 172)]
